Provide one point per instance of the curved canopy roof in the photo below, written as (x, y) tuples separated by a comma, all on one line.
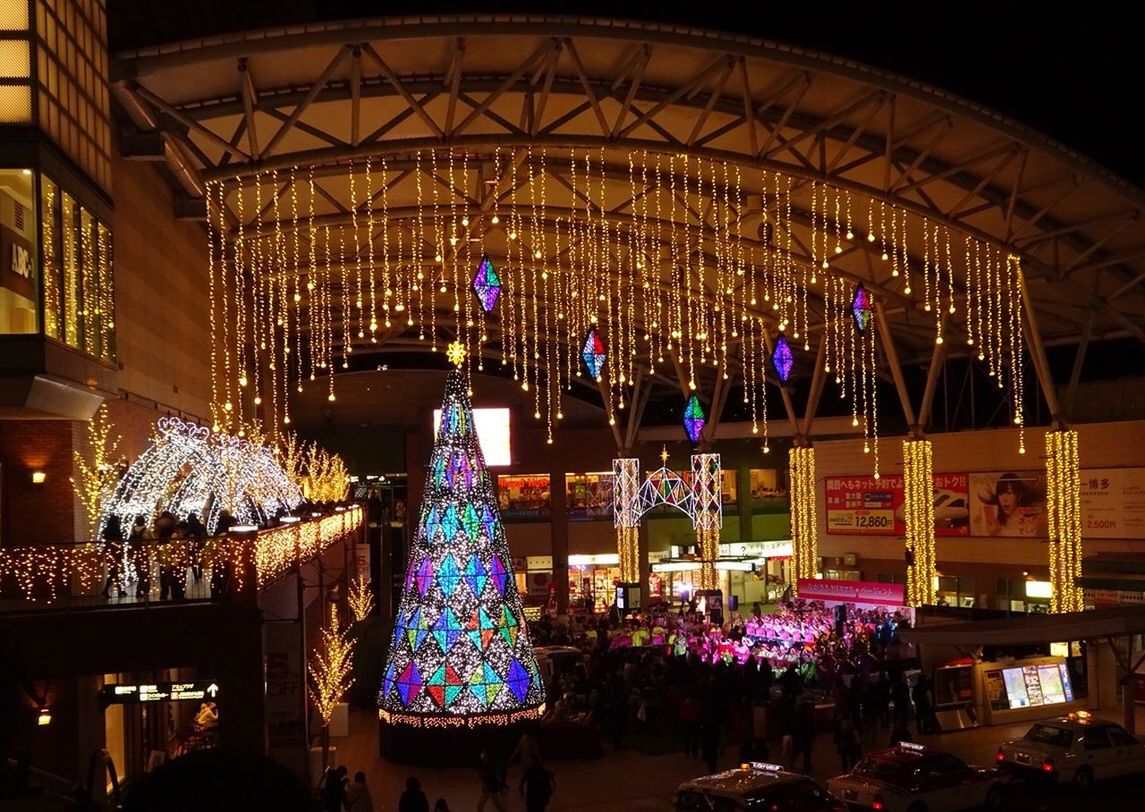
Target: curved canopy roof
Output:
[(324, 96)]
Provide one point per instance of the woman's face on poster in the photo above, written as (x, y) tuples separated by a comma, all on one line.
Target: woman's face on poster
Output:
[(1007, 501)]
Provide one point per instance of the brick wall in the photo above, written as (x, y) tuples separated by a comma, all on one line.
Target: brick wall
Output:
[(44, 513)]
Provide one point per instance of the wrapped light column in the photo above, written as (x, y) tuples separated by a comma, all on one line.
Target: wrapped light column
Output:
[(708, 518), (1063, 506), (626, 516), (918, 485), (804, 529)]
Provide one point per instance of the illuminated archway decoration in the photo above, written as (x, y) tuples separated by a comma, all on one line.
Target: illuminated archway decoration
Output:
[(187, 469), (699, 496)]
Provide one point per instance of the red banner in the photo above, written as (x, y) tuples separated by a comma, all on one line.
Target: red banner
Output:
[(863, 593), (865, 506)]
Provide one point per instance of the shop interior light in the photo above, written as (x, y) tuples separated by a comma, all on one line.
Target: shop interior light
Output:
[(736, 566), (1039, 589), (38, 477), (676, 566), (602, 559)]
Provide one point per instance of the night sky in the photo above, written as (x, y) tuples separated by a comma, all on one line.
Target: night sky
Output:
[(1077, 77)]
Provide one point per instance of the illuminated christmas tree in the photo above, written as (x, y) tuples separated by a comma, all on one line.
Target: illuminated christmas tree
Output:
[(460, 654)]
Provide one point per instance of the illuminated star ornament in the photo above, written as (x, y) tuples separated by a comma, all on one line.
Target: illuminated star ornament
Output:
[(460, 654), (487, 285), (694, 419), (861, 306), (593, 353), (456, 353), (783, 359)]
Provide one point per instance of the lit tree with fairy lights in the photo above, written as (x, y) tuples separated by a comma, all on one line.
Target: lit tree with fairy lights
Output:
[(330, 674), (96, 473), (460, 654), (360, 599)]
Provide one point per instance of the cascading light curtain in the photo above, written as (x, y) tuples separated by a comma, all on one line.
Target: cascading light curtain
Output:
[(804, 530), (1063, 506), (918, 484), (574, 241)]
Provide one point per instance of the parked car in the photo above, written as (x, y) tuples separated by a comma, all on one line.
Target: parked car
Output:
[(753, 787), (1077, 749), (914, 778)]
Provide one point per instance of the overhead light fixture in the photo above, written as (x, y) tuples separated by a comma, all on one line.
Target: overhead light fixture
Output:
[(676, 566), (38, 477), (735, 566), (45, 717)]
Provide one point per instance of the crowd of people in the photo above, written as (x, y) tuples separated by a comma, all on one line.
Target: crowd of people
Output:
[(767, 684), (536, 784)]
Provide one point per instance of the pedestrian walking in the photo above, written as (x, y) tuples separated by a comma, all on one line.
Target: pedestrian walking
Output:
[(492, 779), (358, 798), (538, 786), (413, 799)]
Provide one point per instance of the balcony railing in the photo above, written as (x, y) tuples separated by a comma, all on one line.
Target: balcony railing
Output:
[(140, 574)]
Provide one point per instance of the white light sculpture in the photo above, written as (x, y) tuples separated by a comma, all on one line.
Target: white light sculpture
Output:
[(186, 470)]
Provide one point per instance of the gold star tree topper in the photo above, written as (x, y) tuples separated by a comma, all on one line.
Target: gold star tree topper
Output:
[(456, 353)]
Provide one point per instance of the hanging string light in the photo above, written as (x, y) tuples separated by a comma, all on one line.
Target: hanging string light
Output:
[(1063, 509), (669, 274)]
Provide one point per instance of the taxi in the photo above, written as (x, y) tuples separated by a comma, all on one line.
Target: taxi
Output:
[(1077, 749), (914, 778), (755, 787)]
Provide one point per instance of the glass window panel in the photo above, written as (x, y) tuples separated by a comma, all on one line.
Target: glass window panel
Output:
[(88, 291), (69, 234), (14, 15), (524, 497), (589, 496), (15, 104), (15, 59), (19, 279), (49, 216), (107, 293), (729, 486)]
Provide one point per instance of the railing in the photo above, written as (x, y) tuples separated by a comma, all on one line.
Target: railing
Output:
[(75, 576)]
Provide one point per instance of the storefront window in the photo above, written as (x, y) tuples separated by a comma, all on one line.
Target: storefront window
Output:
[(729, 486), (952, 591), (79, 285), (524, 497), (18, 278), (589, 496), (592, 581), (768, 494)]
